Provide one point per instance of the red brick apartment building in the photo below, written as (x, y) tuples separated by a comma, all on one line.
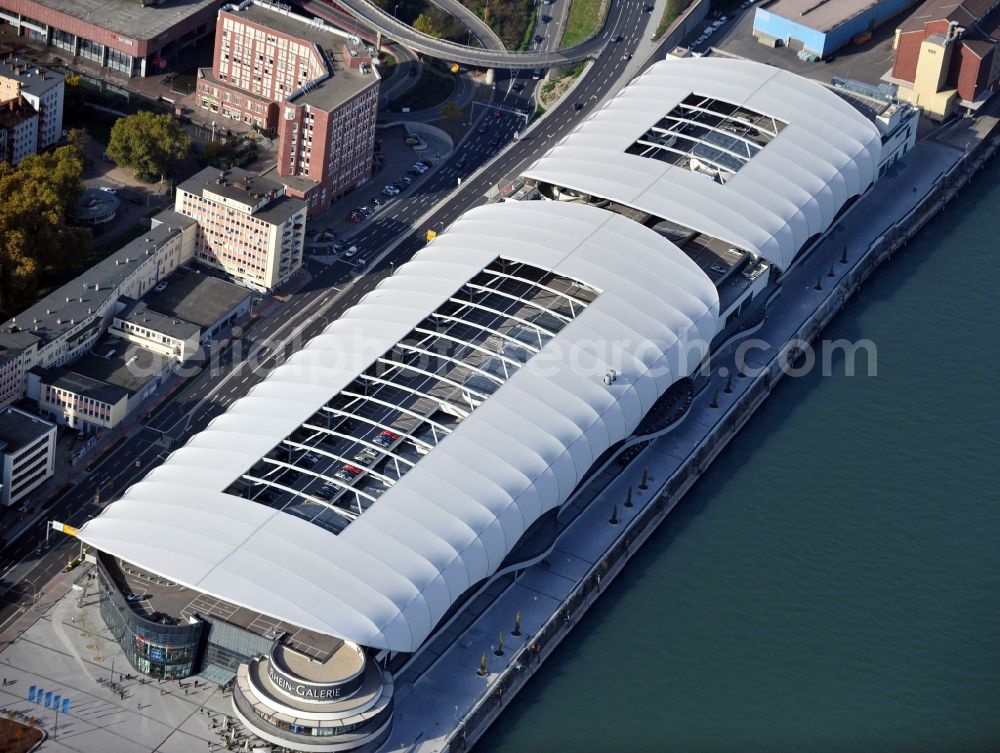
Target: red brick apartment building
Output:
[(309, 84), (945, 55)]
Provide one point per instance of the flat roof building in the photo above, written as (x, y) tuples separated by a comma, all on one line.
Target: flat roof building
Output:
[(247, 226), (818, 28), (133, 39), (312, 85), (101, 389), (68, 321), (206, 301), (27, 454)]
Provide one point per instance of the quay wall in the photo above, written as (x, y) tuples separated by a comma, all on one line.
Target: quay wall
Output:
[(666, 493)]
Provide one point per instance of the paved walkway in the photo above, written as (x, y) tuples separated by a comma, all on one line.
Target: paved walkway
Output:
[(67, 651)]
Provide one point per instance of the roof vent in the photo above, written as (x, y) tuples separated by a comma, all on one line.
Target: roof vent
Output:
[(610, 376)]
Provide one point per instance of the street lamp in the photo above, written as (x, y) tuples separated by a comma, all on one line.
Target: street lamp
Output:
[(395, 10)]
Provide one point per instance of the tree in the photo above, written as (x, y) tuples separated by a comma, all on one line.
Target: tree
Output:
[(451, 110), (148, 143), (73, 100), (34, 235), (424, 25), (81, 140)]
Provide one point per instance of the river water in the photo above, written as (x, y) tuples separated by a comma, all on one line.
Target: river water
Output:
[(833, 582)]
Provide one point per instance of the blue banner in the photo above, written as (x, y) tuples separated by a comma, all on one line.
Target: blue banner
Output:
[(48, 699), (65, 709)]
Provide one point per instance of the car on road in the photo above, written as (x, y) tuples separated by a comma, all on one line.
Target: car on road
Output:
[(484, 127), (348, 473), (461, 162), (577, 106), (385, 439), (627, 56), (617, 38), (647, 8), (537, 73), (539, 38), (546, 18), (352, 251), (496, 141), (518, 86)]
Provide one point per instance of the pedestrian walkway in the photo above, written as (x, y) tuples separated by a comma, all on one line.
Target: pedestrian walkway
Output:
[(70, 652)]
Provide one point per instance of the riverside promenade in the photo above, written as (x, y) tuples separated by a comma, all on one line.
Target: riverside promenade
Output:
[(443, 704)]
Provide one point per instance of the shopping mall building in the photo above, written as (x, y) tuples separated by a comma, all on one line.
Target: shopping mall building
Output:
[(313, 538)]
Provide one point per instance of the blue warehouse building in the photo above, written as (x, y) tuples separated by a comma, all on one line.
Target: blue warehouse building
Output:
[(820, 27)]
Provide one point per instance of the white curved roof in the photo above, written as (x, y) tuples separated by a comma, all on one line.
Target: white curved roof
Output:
[(391, 575), (785, 194)]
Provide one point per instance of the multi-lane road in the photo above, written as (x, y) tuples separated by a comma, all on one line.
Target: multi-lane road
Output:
[(392, 236)]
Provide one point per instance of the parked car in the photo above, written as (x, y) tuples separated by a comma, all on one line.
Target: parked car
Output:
[(406, 180), (366, 456), (348, 473), (108, 189), (385, 439), (134, 597)]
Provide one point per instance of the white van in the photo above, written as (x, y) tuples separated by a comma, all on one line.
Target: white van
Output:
[(350, 252)]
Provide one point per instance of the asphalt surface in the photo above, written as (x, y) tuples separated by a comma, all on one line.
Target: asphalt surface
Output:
[(26, 564)]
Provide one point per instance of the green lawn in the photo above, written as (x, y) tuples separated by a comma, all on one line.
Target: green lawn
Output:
[(674, 8), (586, 17)]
